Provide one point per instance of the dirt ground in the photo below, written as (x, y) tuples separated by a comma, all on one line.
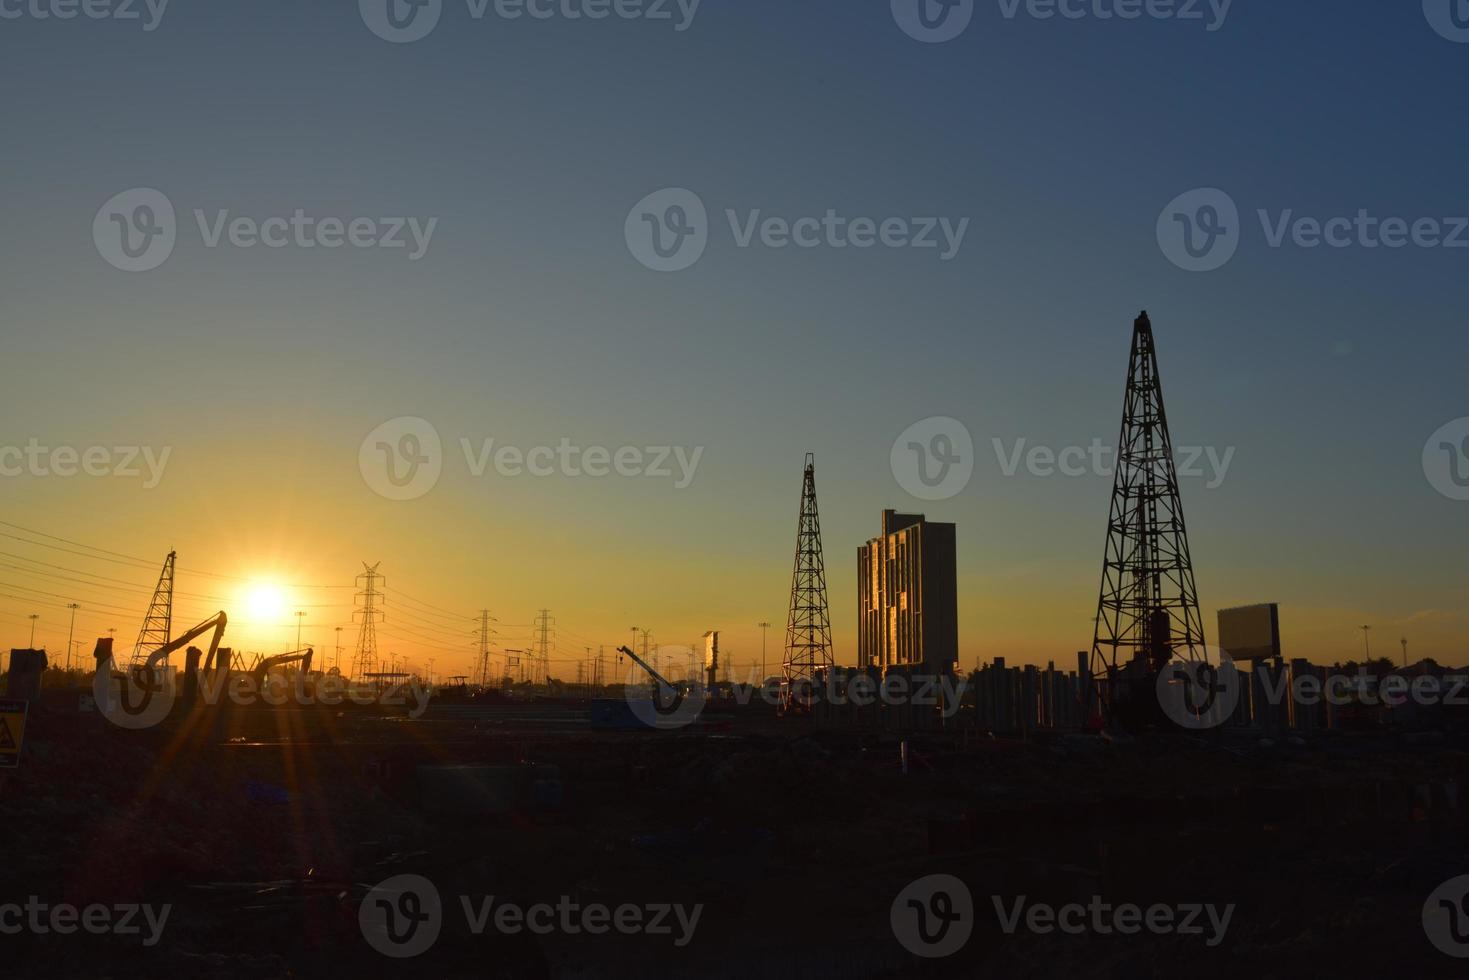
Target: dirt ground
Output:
[(266, 834)]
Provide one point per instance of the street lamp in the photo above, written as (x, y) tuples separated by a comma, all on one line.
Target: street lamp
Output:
[(763, 628), (300, 617), (33, 617)]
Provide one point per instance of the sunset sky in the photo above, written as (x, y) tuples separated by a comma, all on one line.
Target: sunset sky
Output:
[(528, 321)]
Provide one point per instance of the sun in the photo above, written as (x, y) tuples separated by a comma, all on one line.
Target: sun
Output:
[(265, 603)]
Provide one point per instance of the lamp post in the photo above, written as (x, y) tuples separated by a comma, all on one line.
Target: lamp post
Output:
[(1366, 643), (300, 618), (33, 617), (763, 628)]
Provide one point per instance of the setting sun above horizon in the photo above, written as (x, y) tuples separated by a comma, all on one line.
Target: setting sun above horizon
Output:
[(264, 603)]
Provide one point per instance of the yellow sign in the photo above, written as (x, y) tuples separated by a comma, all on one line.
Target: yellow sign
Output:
[(12, 731)]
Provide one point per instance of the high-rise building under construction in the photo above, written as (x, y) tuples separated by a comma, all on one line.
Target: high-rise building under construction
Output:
[(908, 595)]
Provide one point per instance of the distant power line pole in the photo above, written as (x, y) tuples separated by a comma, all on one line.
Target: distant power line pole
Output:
[(71, 632), (1405, 652), (33, 617), (1366, 643)]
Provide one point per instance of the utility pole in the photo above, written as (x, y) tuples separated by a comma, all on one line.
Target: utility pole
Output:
[(1366, 643), (300, 618), (337, 661), (763, 628), (1404, 641), (71, 632), (33, 617)]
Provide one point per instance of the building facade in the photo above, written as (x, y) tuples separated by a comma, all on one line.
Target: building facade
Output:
[(908, 596)]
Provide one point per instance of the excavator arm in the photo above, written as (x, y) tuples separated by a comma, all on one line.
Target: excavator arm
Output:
[(216, 623)]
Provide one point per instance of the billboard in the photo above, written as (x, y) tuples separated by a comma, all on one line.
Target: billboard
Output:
[(1250, 632), (711, 650)]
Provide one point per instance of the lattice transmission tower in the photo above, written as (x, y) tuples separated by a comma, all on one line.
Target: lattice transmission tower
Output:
[(484, 647), (808, 628), (364, 660), (1148, 610), (158, 624)]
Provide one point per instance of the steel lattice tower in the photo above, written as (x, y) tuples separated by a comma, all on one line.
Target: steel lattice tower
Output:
[(1149, 607), (808, 628), (158, 624), (364, 661), (484, 647)]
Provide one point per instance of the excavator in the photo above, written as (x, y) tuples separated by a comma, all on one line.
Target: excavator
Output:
[(263, 667), (147, 677)]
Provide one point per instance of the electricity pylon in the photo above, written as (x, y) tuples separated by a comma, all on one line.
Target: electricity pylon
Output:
[(808, 627), (364, 661), (1148, 610)]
